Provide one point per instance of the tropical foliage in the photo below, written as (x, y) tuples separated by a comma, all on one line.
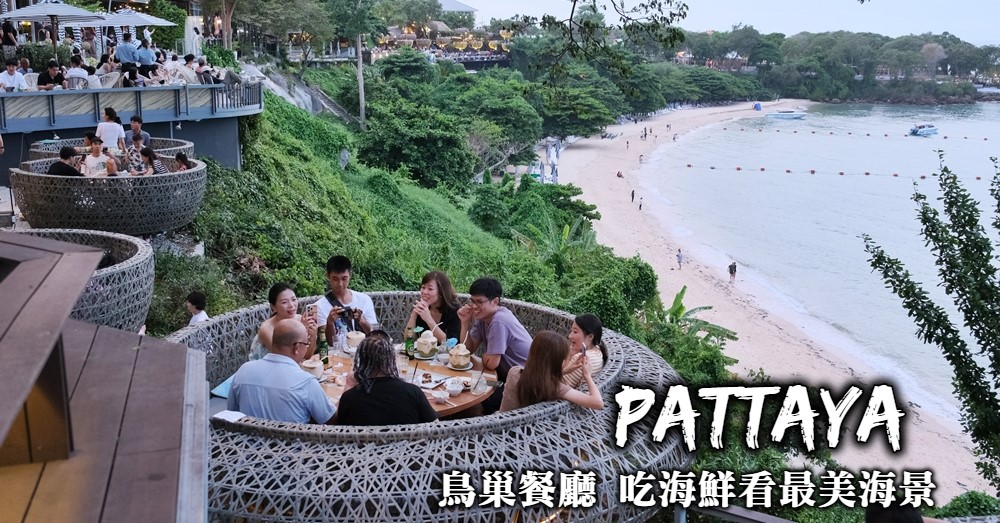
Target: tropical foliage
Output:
[(965, 258)]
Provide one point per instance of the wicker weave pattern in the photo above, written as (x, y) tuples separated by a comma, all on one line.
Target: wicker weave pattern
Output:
[(165, 147), (132, 205), (269, 471), (117, 296)]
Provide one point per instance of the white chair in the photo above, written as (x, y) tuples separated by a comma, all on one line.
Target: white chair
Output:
[(77, 82), (110, 80), (31, 79)]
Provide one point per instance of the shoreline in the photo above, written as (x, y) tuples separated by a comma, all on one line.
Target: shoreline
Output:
[(772, 336)]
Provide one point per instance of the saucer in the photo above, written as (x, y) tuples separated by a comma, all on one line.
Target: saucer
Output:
[(425, 358), (467, 367)]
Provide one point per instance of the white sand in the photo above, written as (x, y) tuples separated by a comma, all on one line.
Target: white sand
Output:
[(784, 350)]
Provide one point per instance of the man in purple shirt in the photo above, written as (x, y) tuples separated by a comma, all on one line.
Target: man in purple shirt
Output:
[(485, 320)]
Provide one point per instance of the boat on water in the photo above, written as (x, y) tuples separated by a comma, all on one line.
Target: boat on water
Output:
[(787, 115), (923, 129)]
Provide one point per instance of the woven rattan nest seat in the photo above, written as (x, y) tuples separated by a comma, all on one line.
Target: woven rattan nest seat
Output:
[(118, 295), (270, 471), (164, 147), (134, 205)]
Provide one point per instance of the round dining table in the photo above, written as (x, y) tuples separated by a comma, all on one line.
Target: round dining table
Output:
[(340, 364)]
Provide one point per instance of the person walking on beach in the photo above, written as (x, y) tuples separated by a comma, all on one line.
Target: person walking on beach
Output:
[(626, 145), (680, 259), (633, 195), (640, 158), (732, 272), (640, 203)]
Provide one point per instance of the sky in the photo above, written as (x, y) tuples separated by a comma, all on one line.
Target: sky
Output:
[(974, 21)]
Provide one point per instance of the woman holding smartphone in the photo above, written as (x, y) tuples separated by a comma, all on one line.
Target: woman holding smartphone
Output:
[(284, 305), (585, 338), (437, 308)]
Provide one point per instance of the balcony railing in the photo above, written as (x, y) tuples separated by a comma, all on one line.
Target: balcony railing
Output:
[(27, 112)]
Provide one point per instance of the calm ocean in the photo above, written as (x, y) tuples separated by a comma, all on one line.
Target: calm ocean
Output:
[(796, 236)]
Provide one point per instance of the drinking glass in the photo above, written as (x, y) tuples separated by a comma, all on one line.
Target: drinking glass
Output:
[(403, 364), (480, 387)]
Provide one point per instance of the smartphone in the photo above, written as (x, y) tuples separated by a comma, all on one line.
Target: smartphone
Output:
[(311, 309), (583, 349)]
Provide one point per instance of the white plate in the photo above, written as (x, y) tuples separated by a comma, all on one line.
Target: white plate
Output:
[(468, 367), (423, 358), (436, 379)]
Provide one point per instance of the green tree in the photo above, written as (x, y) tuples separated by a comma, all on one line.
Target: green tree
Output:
[(964, 256), (353, 19), (489, 211), (573, 112), (458, 20), (406, 12), (430, 143), (168, 36)]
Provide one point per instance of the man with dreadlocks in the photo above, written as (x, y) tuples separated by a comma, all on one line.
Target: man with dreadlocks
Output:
[(380, 397)]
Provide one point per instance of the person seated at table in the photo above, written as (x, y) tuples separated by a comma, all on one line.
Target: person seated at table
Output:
[(110, 130), (76, 69), (93, 81), (507, 341), (24, 66), (66, 166), (97, 163), (130, 76), (135, 124), (158, 75), (334, 304), (153, 163), (284, 306), (379, 396), (438, 304), (541, 377), (584, 337), (171, 65), (104, 66), (11, 80), (183, 163), (275, 387), (186, 72), (51, 77), (133, 159)]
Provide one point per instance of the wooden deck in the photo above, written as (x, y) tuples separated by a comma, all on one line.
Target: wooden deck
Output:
[(96, 424), (131, 427)]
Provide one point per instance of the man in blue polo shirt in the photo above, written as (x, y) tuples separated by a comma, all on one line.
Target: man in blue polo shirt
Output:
[(275, 387), (126, 53)]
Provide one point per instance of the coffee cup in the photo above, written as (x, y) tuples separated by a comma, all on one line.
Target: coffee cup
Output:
[(313, 367), (354, 338), (440, 396), (453, 386)]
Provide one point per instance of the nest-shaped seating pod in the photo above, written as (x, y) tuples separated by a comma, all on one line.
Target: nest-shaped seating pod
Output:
[(118, 295), (134, 205), (164, 147), (270, 471)]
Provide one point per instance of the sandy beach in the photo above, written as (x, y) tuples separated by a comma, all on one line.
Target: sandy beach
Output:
[(767, 338)]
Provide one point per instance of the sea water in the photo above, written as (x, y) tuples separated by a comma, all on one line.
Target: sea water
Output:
[(796, 236)]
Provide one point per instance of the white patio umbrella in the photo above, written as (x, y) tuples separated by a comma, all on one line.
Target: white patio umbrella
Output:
[(128, 17), (54, 11)]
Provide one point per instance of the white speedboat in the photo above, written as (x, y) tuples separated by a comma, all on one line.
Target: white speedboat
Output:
[(923, 129), (787, 115)]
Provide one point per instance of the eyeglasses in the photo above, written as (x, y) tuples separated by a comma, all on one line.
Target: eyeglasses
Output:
[(296, 344), (479, 302)]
